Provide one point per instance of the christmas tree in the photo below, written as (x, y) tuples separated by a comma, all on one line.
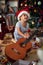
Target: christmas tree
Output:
[(36, 11)]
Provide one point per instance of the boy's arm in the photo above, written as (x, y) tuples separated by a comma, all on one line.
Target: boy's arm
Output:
[(18, 28), (19, 31), (26, 35)]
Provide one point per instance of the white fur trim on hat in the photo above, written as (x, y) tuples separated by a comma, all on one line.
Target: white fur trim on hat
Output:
[(25, 12)]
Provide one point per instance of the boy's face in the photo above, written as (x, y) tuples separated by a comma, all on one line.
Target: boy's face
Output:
[(24, 17)]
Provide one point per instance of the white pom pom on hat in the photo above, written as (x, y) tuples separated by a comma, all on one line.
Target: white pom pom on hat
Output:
[(23, 11)]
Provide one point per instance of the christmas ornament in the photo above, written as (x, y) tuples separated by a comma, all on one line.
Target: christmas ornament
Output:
[(39, 3), (35, 10)]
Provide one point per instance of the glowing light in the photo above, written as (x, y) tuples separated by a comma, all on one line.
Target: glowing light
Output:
[(35, 2), (32, 22), (25, 4), (21, 4), (0, 16), (35, 10), (39, 2)]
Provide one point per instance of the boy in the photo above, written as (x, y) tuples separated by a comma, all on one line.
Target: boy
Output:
[(22, 27)]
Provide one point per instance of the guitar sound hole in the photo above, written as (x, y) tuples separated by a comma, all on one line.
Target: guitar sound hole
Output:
[(23, 45), (16, 51)]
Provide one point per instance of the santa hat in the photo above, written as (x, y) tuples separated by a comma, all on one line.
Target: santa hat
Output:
[(23, 11)]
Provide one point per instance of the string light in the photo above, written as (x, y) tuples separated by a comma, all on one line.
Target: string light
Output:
[(35, 2), (21, 4), (0, 16), (25, 4), (35, 10), (39, 2), (32, 22)]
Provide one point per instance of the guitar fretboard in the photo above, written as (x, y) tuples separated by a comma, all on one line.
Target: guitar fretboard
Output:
[(27, 40)]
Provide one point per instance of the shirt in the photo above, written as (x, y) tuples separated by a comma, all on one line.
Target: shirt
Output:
[(23, 29)]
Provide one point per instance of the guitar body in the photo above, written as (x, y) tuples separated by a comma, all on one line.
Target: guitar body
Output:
[(16, 51)]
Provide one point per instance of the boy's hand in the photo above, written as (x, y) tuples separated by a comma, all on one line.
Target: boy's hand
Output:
[(26, 35)]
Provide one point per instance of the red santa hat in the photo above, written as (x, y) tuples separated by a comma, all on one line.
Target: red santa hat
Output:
[(23, 11)]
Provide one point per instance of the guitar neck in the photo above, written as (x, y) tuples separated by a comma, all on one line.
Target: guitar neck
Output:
[(27, 40)]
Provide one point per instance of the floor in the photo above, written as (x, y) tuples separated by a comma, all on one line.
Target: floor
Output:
[(31, 55)]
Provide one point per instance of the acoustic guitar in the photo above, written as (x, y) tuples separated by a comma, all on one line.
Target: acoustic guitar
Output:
[(19, 49)]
